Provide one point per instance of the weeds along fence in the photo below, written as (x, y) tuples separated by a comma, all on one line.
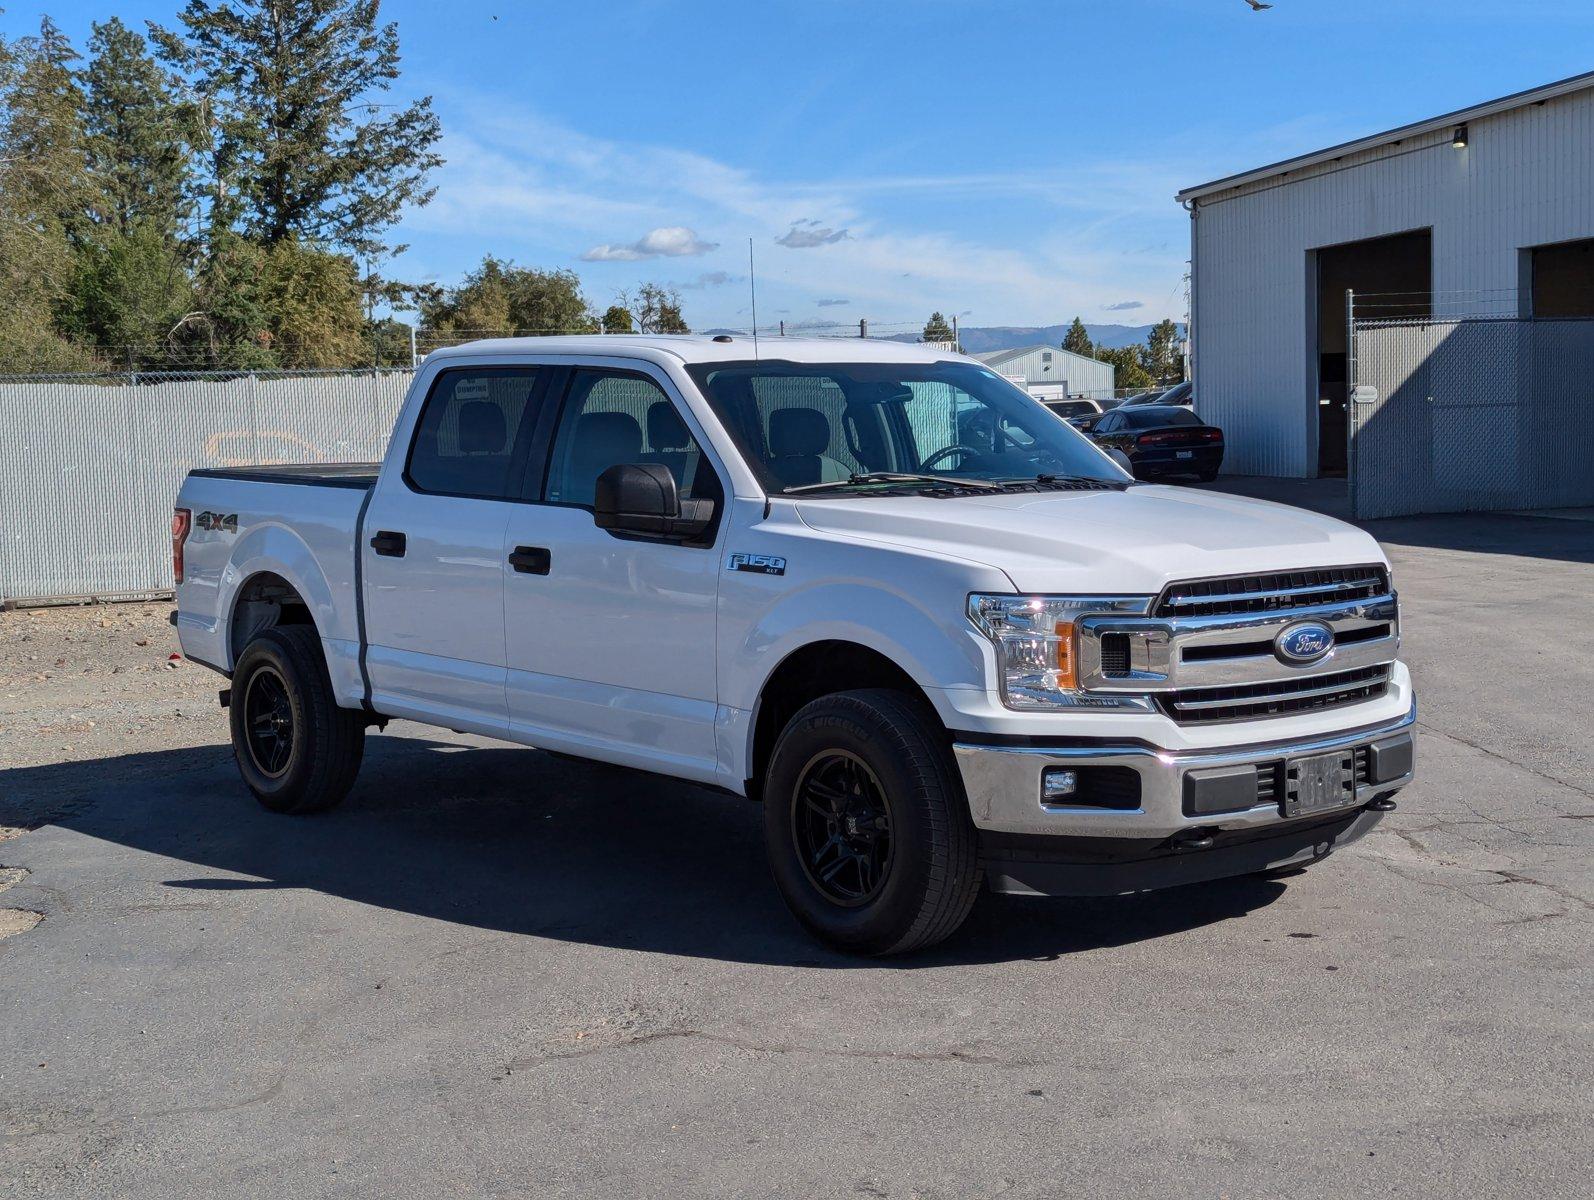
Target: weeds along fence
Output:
[(90, 465)]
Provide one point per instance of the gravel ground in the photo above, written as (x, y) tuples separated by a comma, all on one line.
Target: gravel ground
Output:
[(496, 973)]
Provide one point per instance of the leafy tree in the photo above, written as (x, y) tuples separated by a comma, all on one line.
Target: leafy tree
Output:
[(1129, 371), (229, 324), (617, 319), (499, 297), (1077, 340), (131, 289), (312, 300), (301, 148), (936, 329), (135, 133), (1162, 352), (657, 309)]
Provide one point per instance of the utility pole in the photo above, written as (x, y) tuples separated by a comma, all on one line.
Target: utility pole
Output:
[(783, 327), (863, 327), (956, 345)]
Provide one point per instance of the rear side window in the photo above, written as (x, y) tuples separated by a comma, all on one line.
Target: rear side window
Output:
[(469, 438)]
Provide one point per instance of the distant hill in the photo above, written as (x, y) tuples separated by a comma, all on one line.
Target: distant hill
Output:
[(977, 340)]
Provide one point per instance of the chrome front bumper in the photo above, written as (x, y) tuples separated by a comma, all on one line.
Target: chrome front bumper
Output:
[(1003, 784)]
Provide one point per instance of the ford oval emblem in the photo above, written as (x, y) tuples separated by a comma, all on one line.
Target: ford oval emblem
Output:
[(1305, 642)]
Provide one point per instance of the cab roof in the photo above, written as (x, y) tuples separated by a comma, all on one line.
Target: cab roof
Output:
[(703, 348)]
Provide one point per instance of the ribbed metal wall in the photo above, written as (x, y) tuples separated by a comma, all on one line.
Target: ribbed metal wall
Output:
[(1525, 178), (89, 471), (1084, 376)]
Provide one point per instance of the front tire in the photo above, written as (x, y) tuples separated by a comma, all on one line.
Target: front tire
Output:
[(867, 827), (297, 751)]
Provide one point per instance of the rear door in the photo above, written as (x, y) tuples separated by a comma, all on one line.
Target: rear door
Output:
[(432, 552), (611, 639)]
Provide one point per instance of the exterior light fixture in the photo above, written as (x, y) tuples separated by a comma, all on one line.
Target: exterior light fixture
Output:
[(1459, 138)]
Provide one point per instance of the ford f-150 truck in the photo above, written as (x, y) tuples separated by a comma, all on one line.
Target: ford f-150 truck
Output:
[(945, 641)]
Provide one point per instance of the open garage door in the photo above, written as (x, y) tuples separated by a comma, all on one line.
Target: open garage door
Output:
[(1391, 277)]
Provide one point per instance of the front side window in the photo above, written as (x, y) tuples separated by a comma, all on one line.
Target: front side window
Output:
[(805, 424), (466, 439), (615, 417)]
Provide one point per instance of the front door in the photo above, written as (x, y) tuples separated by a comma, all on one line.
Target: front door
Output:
[(610, 639), (432, 552)]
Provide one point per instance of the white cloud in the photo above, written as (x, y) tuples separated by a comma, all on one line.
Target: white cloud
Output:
[(523, 186), (669, 241), (828, 302), (1123, 306)]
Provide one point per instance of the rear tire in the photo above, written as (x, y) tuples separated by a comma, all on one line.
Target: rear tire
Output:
[(867, 826), (297, 751)]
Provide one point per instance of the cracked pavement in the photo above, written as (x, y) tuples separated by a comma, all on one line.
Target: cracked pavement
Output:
[(495, 973)]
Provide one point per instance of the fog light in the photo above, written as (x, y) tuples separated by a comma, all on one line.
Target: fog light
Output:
[(1058, 785)]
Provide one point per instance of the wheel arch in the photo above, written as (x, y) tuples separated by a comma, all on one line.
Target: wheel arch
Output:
[(265, 600), (819, 668)]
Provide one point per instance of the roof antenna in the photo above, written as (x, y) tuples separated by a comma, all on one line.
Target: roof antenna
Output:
[(752, 287)]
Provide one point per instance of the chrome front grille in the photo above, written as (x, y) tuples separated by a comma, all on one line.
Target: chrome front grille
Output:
[(1250, 702), (1207, 650), (1237, 594)]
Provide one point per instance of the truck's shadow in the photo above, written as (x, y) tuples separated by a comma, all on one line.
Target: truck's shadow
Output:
[(518, 841)]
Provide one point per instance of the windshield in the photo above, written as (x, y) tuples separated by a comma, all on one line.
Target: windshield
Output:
[(804, 424)]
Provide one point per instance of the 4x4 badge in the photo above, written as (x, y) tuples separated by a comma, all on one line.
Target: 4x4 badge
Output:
[(211, 520)]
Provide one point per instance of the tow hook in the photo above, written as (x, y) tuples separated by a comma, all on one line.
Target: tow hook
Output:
[(1382, 804), (1195, 839)]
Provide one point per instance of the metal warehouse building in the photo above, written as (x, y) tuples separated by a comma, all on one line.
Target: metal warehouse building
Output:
[(1485, 213), (1050, 373)]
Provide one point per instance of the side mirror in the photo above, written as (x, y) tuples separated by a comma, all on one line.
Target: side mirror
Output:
[(641, 499)]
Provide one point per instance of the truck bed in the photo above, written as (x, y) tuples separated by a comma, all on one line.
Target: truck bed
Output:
[(345, 475)]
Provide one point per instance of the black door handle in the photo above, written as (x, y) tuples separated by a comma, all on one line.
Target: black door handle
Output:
[(389, 544), (531, 560)]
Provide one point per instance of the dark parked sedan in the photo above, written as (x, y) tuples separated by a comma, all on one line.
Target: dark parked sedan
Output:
[(1161, 440)]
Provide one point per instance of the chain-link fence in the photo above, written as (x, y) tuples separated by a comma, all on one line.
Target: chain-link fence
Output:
[(1461, 414), (90, 465)]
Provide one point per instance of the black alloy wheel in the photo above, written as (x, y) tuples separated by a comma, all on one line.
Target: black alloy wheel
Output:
[(268, 723), (842, 828)]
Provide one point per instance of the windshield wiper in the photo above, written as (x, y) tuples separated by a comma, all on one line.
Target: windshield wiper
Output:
[(863, 477)]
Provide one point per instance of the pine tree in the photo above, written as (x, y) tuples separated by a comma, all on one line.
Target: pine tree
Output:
[(1162, 351), (936, 329), (1077, 339), (134, 133), (301, 145), (45, 198)]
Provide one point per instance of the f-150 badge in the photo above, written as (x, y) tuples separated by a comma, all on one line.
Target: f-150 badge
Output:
[(759, 564)]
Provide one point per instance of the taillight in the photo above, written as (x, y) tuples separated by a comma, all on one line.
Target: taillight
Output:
[(182, 521)]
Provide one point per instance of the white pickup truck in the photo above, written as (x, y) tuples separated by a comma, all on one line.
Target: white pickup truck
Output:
[(942, 638)]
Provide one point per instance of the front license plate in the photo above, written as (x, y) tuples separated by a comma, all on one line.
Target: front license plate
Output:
[(1319, 783), (1184, 453)]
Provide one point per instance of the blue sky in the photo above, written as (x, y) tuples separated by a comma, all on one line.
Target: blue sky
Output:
[(1011, 162)]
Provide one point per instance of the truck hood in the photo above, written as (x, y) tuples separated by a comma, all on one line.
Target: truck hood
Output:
[(1123, 543)]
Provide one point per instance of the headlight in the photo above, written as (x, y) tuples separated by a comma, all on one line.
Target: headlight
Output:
[(1037, 648)]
